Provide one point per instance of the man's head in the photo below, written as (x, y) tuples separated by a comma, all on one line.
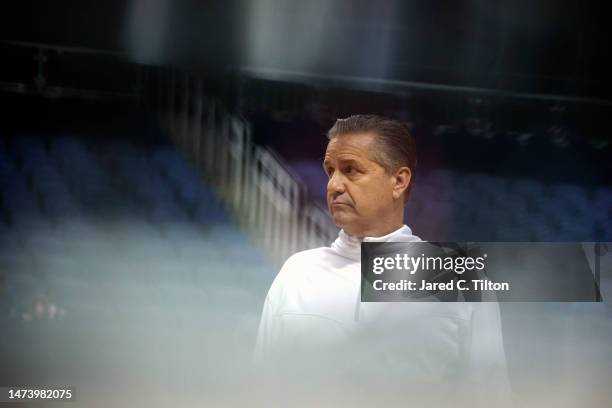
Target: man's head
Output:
[(370, 161)]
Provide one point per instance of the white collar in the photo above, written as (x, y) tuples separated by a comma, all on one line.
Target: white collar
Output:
[(349, 246)]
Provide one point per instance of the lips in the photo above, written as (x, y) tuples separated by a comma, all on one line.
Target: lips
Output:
[(337, 204)]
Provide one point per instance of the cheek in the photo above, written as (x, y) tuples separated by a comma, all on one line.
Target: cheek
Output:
[(375, 196)]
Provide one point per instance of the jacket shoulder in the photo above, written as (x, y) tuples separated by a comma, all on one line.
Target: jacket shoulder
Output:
[(297, 266)]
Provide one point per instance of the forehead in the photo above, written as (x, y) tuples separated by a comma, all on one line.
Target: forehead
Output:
[(355, 145)]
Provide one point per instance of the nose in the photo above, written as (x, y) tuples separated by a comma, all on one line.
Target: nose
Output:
[(335, 185)]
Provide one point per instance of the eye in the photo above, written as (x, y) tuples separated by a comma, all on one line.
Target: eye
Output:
[(329, 171)]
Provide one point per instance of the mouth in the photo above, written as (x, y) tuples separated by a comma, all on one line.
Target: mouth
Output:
[(336, 204)]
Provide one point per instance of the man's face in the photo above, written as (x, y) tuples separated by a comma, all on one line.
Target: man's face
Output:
[(359, 191)]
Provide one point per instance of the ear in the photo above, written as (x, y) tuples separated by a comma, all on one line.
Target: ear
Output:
[(402, 179)]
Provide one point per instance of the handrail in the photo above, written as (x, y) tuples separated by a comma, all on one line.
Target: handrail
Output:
[(266, 198)]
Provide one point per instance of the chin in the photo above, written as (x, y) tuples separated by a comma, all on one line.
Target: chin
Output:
[(339, 220), (343, 220)]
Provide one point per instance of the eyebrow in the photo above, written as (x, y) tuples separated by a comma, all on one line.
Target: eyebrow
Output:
[(343, 161)]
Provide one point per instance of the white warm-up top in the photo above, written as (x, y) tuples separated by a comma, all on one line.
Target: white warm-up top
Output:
[(314, 306)]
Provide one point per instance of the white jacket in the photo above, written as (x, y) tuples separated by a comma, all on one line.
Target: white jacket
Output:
[(313, 309)]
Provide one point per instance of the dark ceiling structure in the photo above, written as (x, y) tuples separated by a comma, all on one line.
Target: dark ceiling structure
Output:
[(544, 48)]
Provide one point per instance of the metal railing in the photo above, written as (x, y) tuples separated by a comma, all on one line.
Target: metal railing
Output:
[(265, 197)]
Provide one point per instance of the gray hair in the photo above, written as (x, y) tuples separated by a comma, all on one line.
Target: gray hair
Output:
[(396, 145)]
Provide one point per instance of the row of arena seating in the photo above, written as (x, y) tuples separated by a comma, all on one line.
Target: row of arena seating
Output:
[(118, 261), (446, 205), (76, 211), (88, 225), (43, 180)]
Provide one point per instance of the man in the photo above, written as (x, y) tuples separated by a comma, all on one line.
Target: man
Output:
[(313, 318)]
